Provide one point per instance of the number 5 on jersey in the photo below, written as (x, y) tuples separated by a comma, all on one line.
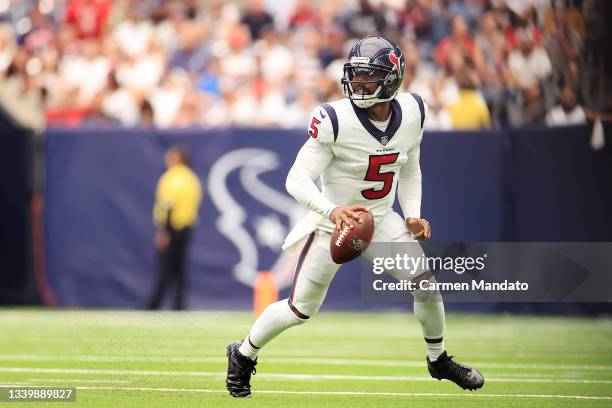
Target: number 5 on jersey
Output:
[(313, 130), (374, 174)]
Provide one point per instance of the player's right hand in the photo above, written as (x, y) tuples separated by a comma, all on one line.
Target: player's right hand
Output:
[(345, 215)]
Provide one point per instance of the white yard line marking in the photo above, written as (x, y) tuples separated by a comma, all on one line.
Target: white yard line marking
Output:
[(74, 380), (290, 360), (345, 393), (390, 363), (276, 376), (339, 393)]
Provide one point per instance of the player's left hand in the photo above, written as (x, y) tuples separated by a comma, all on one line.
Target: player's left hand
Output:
[(420, 228)]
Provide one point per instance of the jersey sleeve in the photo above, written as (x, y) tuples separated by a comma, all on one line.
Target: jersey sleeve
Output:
[(409, 185), (312, 159), (165, 197), (409, 189), (425, 121)]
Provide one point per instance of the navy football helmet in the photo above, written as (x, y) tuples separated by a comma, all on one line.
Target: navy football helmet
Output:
[(382, 62)]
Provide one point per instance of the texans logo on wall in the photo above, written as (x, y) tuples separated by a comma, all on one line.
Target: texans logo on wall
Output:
[(257, 237)]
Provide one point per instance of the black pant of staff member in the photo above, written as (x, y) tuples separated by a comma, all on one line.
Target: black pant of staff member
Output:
[(172, 247), (178, 198)]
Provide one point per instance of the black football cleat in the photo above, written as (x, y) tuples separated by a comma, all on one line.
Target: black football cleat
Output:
[(462, 375), (239, 370)]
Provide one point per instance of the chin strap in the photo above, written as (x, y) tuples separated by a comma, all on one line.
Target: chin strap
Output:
[(366, 103)]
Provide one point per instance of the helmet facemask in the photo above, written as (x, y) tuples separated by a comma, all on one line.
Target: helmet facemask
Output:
[(382, 76)]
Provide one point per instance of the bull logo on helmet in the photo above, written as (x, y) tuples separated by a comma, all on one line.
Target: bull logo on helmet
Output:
[(395, 60)]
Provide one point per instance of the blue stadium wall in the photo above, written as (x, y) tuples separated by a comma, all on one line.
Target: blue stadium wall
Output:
[(515, 185)]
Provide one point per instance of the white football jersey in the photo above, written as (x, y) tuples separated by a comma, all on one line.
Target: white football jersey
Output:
[(358, 163)]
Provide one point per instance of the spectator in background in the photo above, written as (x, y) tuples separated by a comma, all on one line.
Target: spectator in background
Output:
[(19, 94), (568, 112), (208, 83), (242, 106), (237, 63), (142, 72), (190, 111), (441, 19), (307, 43), (167, 98), (329, 14), (445, 86), (146, 114), (493, 70), (65, 39), (8, 47), (460, 39), (560, 10), (119, 104), (299, 112), (261, 104), (137, 42), (365, 20), (332, 49), (88, 17), (271, 105), (329, 87), (193, 53), (414, 16), (563, 43), (41, 34), (419, 74), (275, 58), (469, 111), (255, 17), (469, 11), (86, 71), (522, 19), (133, 35), (221, 17), (303, 14), (177, 201), (531, 69), (218, 113), (66, 105), (418, 78)]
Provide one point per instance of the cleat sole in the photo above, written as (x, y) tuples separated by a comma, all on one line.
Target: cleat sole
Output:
[(241, 396)]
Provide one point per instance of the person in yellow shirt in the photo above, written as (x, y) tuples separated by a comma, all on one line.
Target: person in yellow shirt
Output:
[(469, 111), (177, 201)]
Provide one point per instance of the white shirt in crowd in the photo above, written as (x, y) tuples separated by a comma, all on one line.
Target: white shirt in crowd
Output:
[(557, 116), (530, 69)]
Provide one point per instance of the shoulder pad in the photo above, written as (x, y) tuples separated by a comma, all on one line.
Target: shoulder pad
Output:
[(414, 100), (324, 124)]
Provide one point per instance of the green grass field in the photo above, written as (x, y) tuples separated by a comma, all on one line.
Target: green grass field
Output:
[(142, 359)]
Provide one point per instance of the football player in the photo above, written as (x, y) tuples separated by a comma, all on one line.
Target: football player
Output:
[(365, 149)]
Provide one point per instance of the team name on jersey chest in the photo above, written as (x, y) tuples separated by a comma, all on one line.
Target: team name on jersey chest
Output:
[(361, 153)]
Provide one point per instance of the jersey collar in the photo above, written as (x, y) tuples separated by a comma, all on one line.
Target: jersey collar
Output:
[(394, 122)]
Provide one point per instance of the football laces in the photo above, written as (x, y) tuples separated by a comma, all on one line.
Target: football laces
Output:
[(342, 235)]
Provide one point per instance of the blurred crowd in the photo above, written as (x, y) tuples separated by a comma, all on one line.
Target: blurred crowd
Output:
[(477, 63)]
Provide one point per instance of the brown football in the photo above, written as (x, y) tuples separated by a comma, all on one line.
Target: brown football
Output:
[(348, 243)]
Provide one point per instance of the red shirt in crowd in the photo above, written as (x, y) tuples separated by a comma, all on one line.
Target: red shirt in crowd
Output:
[(445, 46), (88, 16)]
